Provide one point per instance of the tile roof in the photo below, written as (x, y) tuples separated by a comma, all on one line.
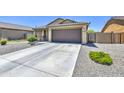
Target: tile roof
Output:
[(56, 20), (44, 27), (61, 23), (68, 20), (15, 26), (118, 17)]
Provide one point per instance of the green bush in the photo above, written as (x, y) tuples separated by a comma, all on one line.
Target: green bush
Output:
[(32, 38), (3, 42), (101, 57)]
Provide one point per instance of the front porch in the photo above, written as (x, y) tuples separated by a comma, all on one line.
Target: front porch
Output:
[(42, 34)]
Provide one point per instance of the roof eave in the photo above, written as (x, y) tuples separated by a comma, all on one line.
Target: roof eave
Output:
[(69, 24), (39, 28)]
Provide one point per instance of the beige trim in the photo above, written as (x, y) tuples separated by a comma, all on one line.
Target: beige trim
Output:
[(84, 36), (77, 26), (50, 35), (68, 24)]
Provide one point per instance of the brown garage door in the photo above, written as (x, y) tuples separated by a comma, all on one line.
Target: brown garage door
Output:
[(72, 36)]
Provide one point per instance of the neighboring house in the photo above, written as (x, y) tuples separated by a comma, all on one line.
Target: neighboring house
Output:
[(13, 31), (115, 24), (63, 30)]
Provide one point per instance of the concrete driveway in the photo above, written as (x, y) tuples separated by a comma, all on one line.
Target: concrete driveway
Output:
[(48, 59)]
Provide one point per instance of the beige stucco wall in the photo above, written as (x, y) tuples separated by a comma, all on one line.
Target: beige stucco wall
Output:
[(14, 34), (39, 35), (49, 34), (83, 35), (83, 27), (114, 26)]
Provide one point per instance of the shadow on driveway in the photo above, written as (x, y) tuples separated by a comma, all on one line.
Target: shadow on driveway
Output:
[(91, 45)]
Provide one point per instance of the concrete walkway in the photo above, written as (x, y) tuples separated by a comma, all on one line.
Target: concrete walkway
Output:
[(49, 59)]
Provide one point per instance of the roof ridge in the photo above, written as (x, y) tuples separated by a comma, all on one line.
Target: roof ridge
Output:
[(55, 20), (118, 17), (69, 20)]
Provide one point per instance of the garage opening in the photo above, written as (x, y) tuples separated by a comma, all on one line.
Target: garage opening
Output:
[(67, 36)]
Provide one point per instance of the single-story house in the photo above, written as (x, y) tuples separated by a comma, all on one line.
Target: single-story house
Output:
[(13, 31), (63, 30), (115, 24)]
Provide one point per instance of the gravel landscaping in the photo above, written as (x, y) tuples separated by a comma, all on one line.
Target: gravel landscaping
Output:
[(4, 49), (85, 67)]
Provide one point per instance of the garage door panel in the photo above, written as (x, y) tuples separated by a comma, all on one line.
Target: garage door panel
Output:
[(72, 36)]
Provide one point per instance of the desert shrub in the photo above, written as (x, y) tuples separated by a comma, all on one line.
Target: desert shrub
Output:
[(3, 42), (32, 38), (101, 57)]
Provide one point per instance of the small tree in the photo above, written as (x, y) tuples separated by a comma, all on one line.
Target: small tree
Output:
[(91, 31), (32, 38)]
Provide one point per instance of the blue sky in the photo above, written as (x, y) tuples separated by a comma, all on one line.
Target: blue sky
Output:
[(97, 22)]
